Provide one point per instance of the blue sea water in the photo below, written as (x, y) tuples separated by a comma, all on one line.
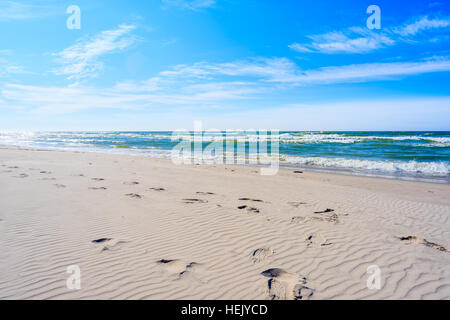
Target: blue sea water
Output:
[(398, 154)]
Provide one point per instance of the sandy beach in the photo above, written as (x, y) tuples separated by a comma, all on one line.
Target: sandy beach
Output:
[(141, 228)]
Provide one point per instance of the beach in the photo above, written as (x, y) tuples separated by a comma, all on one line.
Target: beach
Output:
[(145, 228)]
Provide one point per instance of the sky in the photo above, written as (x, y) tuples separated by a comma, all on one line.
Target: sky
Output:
[(232, 64)]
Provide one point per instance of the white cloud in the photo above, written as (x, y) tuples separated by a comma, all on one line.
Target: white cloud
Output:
[(282, 70), (361, 40), (265, 68), (190, 4), (210, 84), (81, 60), (12, 69), (421, 25), (14, 10), (357, 41), (9, 68), (300, 47), (368, 72), (58, 100)]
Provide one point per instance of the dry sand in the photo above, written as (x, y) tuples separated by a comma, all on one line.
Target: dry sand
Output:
[(187, 238)]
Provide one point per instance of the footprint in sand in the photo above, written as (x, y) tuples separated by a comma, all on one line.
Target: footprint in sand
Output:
[(296, 204), (249, 209), (48, 179), (315, 240), (98, 188), (134, 195), (327, 210), (131, 183), (204, 193), (417, 240), (194, 201), (300, 219), (108, 244), (179, 268), (189, 270), (248, 199), (98, 179), (158, 189), (22, 175), (59, 186), (261, 254), (283, 285), (13, 167), (333, 218), (101, 240), (45, 172)]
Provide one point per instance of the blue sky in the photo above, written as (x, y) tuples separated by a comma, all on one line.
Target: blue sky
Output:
[(161, 64)]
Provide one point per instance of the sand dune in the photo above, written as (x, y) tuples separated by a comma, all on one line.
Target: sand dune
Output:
[(143, 228)]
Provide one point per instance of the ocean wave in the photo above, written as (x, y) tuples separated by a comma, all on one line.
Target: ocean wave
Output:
[(346, 138), (391, 153), (308, 138), (408, 167), (238, 136)]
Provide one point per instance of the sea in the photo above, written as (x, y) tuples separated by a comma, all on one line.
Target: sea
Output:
[(406, 155)]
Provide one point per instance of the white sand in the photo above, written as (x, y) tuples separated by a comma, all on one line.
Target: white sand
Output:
[(48, 220)]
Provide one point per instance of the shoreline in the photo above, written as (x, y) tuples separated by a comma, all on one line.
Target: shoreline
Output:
[(331, 170)]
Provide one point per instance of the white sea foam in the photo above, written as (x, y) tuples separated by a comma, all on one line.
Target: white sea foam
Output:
[(239, 136), (402, 167), (307, 138)]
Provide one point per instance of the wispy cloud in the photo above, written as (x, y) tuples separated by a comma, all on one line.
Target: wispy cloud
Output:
[(14, 10), (189, 4), (422, 24), (11, 69), (69, 99), (7, 67), (205, 84), (269, 68), (361, 40), (57, 100), (81, 60), (354, 40), (368, 72), (283, 70)]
